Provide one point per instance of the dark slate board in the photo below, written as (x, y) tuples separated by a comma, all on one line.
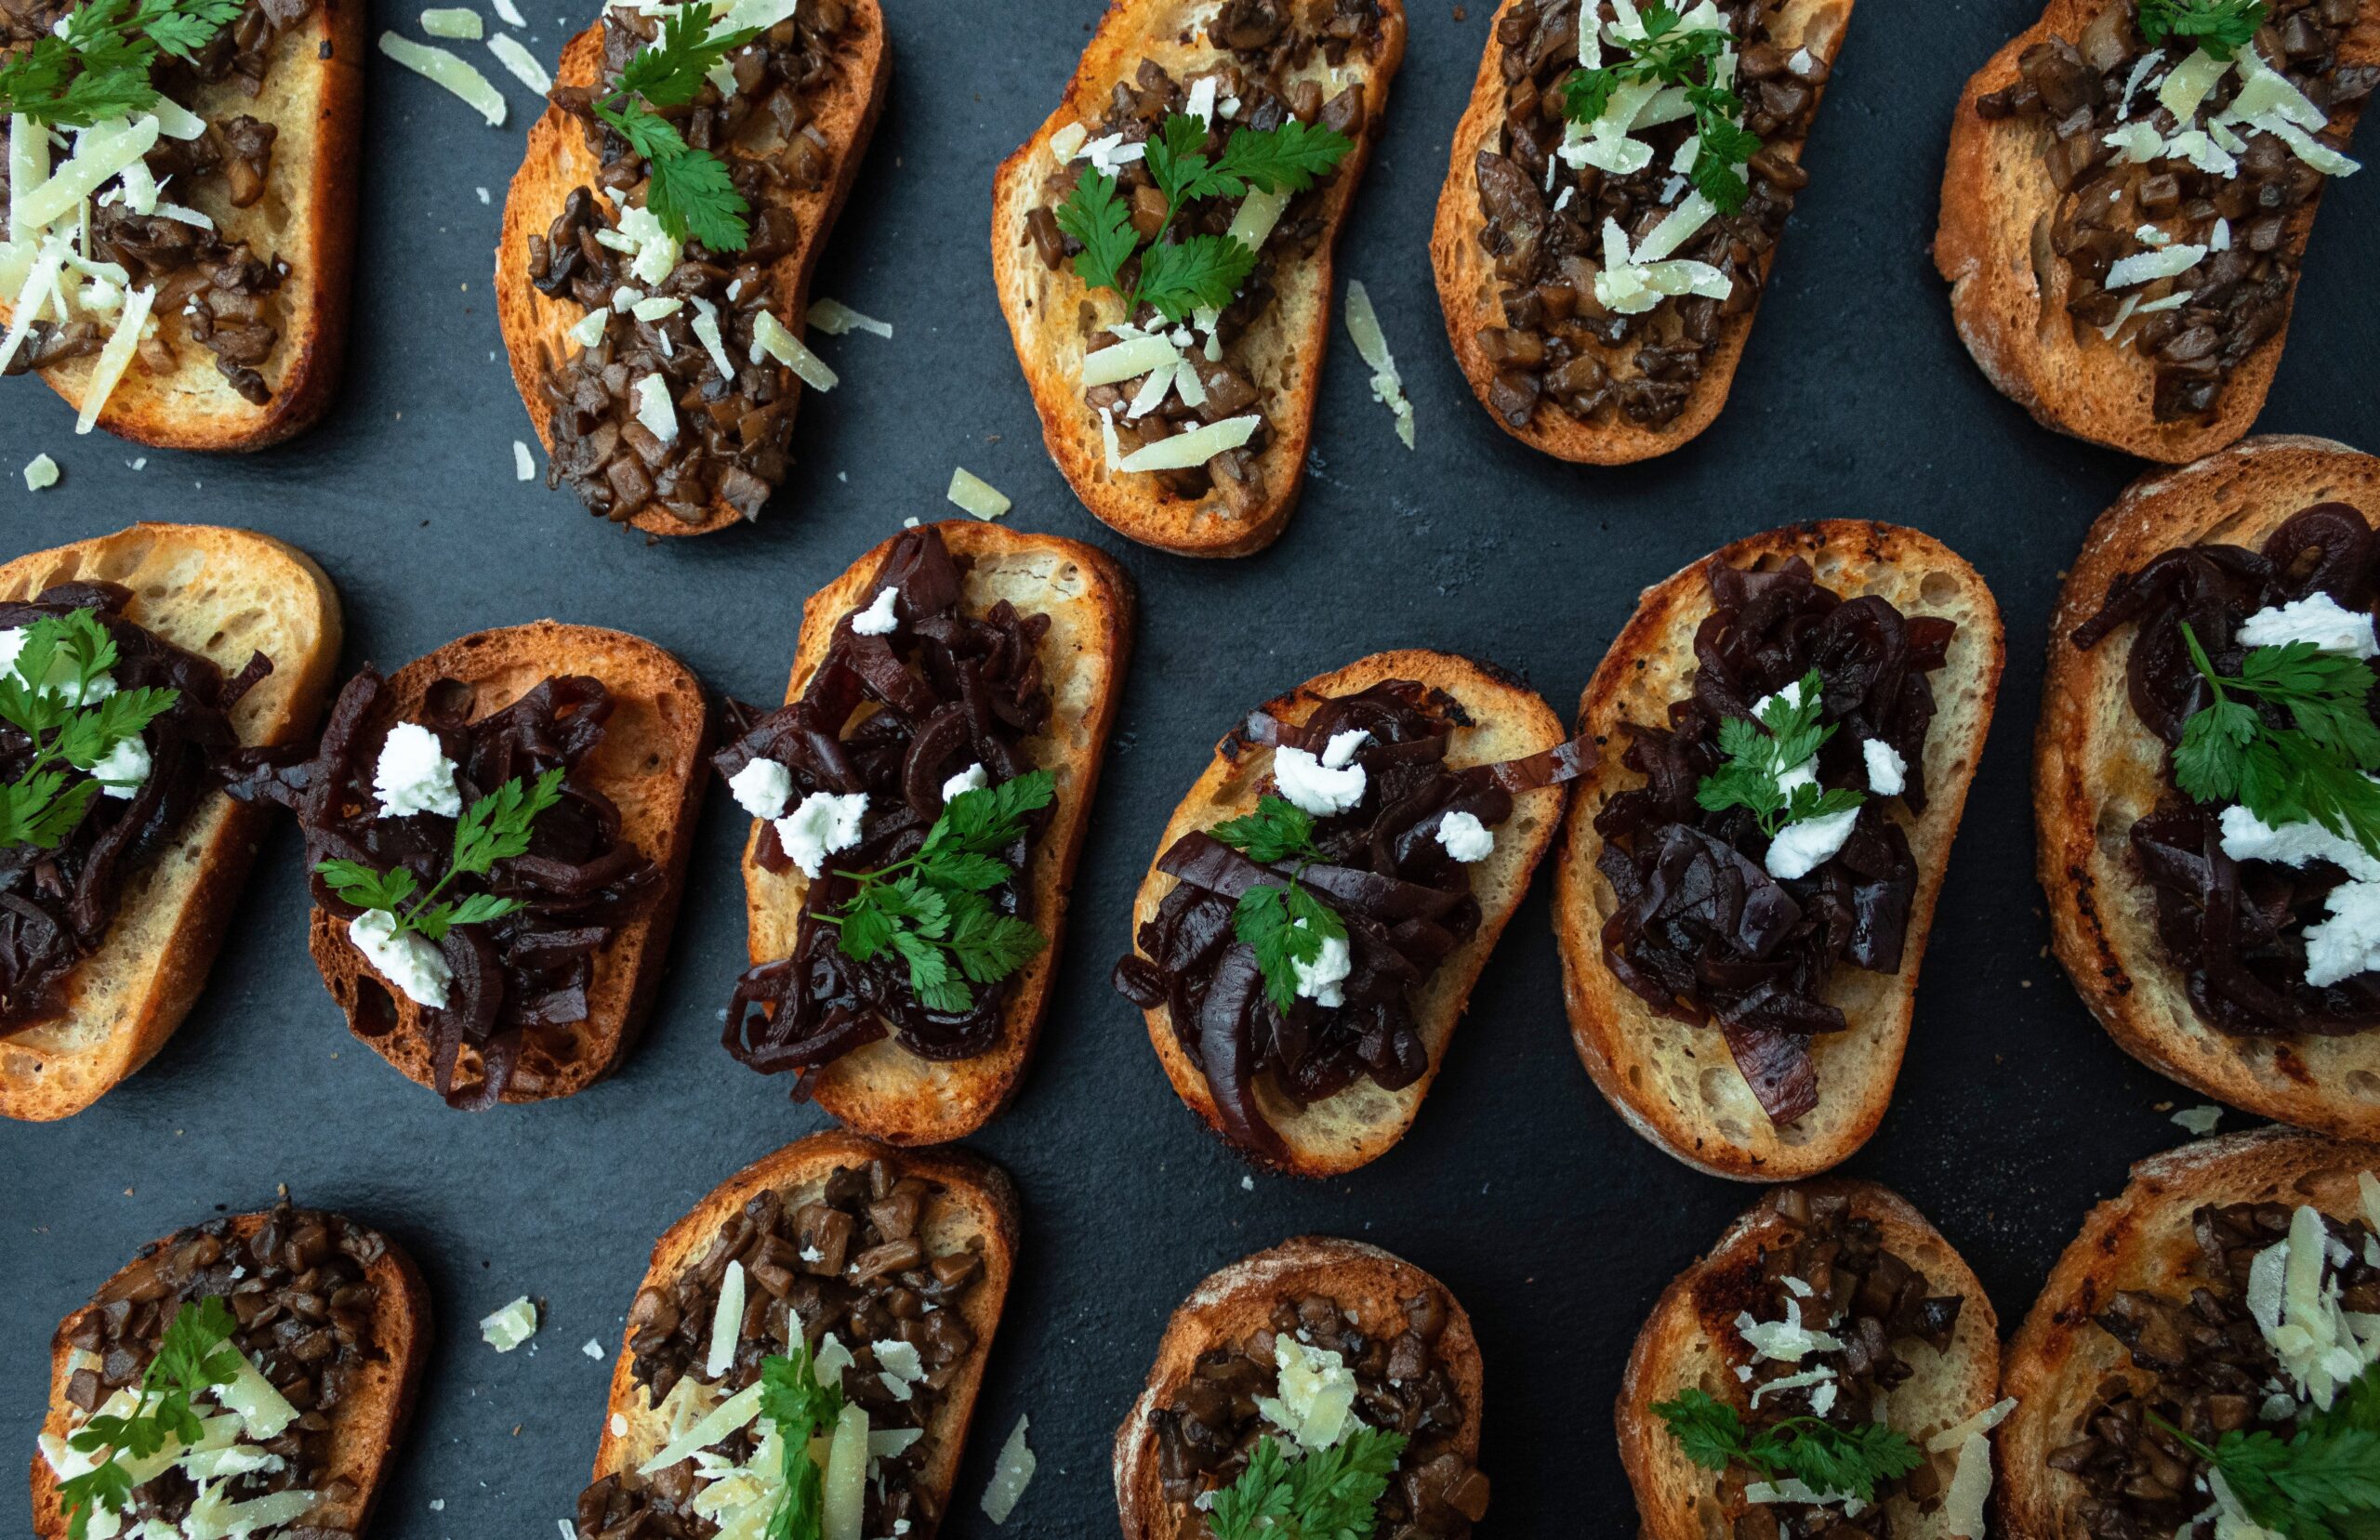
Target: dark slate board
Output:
[(1519, 1186)]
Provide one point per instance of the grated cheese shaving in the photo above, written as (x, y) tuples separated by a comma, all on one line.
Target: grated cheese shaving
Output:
[(1259, 212), (985, 502), (727, 1325), (456, 22), (836, 318), (1128, 360), (655, 410), (1388, 387), (507, 1328), (441, 68), (769, 338), (525, 465), (1963, 1505), (1011, 1475), (1195, 448), (707, 332), (115, 357), (101, 153), (41, 472), (523, 64)]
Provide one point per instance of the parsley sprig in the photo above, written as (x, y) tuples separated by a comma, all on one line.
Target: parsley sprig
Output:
[(193, 1355), (801, 1409), (55, 790), (2312, 770), (1757, 760), (492, 829), (933, 910), (2220, 28), (99, 68), (688, 190), (1673, 54), (1201, 271), (1826, 1458), (1283, 923), (1330, 1495), (2323, 1483)]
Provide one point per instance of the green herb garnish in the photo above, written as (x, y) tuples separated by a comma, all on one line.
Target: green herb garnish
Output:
[(689, 191), (931, 908), (1330, 1495), (99, 68), (50, 694), (194, 1355), (2323, 1483), (1757, 762), (802, 1408), (2311, 771), (1283, 924), (1674, 54), (492, 829), (2220, 28), (1850, 1462), (1202, 272)]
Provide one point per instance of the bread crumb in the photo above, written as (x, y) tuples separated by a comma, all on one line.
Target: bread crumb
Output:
[(2200, 1120)]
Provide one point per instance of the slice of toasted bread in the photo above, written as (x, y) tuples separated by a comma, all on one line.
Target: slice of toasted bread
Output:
[(1051, 314), (313, 95), (1337, 1134), (977, 1205), (2009, 297), (1685, 1346), (883, 1089), (225, 595), (650, 764), (1365, 1281), (536, 329), (2140, 1239), (1470, 293), (1677, 1085), (2097, 770), (367, 1427)]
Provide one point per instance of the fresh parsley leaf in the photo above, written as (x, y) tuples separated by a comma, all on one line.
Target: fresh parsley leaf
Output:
[(1330, 1495), (1288, 159), (1285, 925), (1757, 760), (2220, 28), (194, 1354), (689, 191), (2311, 771), (1201, 273), (1829, 1458), (100, 68), (365, 888), (1098, 218), (801, 1409), (494, 828), (2323, 1483), (1670, 54), (49, 694), (1278, 830)]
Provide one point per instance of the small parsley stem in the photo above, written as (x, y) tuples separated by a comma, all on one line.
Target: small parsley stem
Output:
[(2205, 667)]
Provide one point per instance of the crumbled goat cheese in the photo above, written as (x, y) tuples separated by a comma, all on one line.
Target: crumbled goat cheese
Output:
[(414, 774), (407, 960), (1801, 848), (2248, 837), (972, 779), (2317, 618), (123, 769), (1887, 771), (763, 788), (1465, 837), (822, 826), (878, 619), (1315, 787), (2348, 941), (1319, 980)]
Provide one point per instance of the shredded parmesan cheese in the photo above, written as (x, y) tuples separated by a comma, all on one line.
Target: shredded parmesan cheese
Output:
[(441, 68), (115, 357), (455, 23), (41, 471), (978, 497), (1388, 387), (727, 1325), (1011, 1474), (525, 465), (769, 338), (1195, 448), (836, 318), (523, 64)]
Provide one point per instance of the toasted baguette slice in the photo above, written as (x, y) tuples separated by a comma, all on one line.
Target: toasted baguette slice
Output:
[(1239, 1300), (2097, 770), (2140, 1239), (225, 595), (1052, 313), (2010, 304), (536, 329), (978, 1205), (650, 764), (1335, 1136), (1687, 1345), (1470, 293), (1677, 1085), (883, 1089), (365, 1430), (313, 95)]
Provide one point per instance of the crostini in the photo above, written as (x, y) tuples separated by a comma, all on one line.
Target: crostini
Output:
[(1162, 247), (1323, 899), (1324, 1382), (1830, 1369), (2201, 1346), (1802, 715), (182, 276), (142, 668), (497, 834), (654, 309), (251, 1375), (2218, 917), (1605, 235), (838, 1297), (919, 803), (2127, 203)]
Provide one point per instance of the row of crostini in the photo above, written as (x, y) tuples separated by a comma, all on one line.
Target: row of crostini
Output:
[(803, 1357)]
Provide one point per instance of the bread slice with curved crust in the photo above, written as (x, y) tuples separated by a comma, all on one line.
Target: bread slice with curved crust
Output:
[(977, 1205), (365, 1431), (225, 595), (1677, 1085), (1470, 293), (2008, 291), (1050, 314), (2097, 769), (649, 763), (1229, 1306), (2140, 1239), (314, 96), (1356, 1127), (1690, 1342), (536, 329), (883, 1089)]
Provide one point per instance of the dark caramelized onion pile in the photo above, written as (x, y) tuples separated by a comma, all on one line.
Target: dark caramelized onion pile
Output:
[(895, 717), (1701, 929), (2235, 928), (521, 981), (55, 904), (1406, 903)]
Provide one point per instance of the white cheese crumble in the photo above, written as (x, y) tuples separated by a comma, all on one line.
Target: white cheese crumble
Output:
[(2248, 837), (973, 778), (1465, 837), (1011, 1473), (1319, 980), (1786, 1341), (1388, 385), (878, 619), (593, 1348), (1317, 1394), (123, 769), (824, 823), (407, 960), (507, 1328), (2297, 1309), (1887, 771), (2347, 942), (1316, 786), (414, 774), (655, 410), (972, 494), (1800, 848), (41, 473), (525, 465), (2317, 618), (763, 788)]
